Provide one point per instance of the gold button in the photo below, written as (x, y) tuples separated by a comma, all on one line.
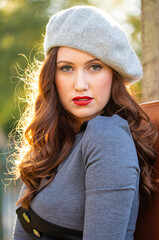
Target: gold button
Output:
[(26, 217), (36, 233)]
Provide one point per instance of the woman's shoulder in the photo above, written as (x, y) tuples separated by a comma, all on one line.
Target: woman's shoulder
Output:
[(109, 138), (104, 125)]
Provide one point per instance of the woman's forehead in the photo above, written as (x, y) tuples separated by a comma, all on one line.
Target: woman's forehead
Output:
[(71, 54)]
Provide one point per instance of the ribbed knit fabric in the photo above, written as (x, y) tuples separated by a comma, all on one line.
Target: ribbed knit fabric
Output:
[(96, 188)]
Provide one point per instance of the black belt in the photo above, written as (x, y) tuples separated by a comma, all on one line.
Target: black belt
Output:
[(38, 227)]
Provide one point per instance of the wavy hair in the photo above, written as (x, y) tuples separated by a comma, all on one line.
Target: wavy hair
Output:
[(48, 136)]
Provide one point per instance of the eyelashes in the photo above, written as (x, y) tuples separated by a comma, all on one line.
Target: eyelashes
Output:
[(96, 67), (93, 68), (66, 68)]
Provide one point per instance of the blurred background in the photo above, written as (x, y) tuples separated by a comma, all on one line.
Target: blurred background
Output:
[(22, 29)]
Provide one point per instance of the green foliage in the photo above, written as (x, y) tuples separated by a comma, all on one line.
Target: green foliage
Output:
[(22, 24), (136, 36)]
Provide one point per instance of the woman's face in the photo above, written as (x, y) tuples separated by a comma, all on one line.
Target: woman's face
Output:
[(83, 83)]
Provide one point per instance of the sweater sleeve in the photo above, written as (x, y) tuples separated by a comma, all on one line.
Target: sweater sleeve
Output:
[(111, 179), (18, 232)]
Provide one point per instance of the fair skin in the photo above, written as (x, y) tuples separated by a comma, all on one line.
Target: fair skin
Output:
[(79, 74)]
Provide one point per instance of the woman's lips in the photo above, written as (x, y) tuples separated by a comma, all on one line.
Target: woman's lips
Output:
[(82, 101)]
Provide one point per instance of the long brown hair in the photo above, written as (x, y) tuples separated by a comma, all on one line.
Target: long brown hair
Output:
[(49, 136)]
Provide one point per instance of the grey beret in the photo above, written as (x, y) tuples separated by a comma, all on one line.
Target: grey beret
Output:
[(95, 32)]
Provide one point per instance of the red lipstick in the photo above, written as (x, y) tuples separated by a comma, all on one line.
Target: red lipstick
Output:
[(82, 101)]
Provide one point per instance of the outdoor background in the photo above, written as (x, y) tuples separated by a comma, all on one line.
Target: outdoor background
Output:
[(22, 29)]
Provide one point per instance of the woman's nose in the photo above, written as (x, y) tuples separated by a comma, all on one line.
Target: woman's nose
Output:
[(81, 81)]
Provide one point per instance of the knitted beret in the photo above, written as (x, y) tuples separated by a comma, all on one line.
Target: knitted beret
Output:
[(92, 30)]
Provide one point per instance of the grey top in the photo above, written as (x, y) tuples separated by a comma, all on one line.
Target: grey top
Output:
[(96, 188)]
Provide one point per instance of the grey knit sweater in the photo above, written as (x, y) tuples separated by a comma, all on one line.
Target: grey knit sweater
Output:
[(96, 188)]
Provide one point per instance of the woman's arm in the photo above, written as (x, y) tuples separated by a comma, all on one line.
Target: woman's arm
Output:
[(112, 175), (19, 233)]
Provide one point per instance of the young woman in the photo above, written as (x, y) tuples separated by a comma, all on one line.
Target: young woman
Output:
[(87, 154)]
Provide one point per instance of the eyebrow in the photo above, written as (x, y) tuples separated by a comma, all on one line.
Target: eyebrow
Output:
[(92, 60)]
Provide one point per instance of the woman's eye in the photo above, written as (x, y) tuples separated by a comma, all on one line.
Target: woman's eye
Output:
[(96, 67), (66, 68)]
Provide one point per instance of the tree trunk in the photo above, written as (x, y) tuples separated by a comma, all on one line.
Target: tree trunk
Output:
[(150, 49)]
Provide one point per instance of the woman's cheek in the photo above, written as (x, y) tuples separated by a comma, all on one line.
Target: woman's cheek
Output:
[(104, 83)]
